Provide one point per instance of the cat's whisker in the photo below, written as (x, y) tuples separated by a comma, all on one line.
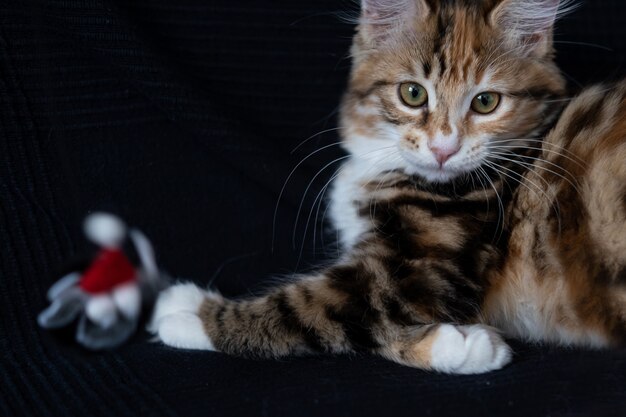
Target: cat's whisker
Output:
[(561, 152), (325, 120), (591, 45), (555, 201), (482, 185), (337, 14), (533, 158), (591, 93), (500, 169), (380, 185), (317, 202), (490, 60), (513, 52), (501, 210), (531, 166), (560, 100), (522, 182), (572, 79), (534, 140), (548, 151), (333, 129), (317, 212), (306, 191), (282, 190), (471, 178)]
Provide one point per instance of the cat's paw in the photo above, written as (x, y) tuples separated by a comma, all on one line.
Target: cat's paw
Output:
[(468, 349), (175, 320)]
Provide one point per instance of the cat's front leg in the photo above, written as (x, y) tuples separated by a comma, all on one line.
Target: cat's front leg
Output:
[(319, 315)]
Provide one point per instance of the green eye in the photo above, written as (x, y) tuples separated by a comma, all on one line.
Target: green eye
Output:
[(485, 103), (413, 94)]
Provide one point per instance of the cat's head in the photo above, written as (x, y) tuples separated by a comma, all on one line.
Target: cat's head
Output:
[(442, 88)]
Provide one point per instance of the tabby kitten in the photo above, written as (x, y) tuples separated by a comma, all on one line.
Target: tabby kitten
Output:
[(467, 202)]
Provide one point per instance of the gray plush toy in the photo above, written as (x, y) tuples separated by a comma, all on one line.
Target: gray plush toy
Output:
[(107, 296)]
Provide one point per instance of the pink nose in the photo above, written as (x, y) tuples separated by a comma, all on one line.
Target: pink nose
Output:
[(443, 154)]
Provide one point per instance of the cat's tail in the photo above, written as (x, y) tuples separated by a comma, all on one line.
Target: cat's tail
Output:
[(312, 316)]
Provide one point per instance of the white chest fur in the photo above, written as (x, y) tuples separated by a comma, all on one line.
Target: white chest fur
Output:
[(346, 194)]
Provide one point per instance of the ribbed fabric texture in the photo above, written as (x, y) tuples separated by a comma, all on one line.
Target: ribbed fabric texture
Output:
[(182, 116)]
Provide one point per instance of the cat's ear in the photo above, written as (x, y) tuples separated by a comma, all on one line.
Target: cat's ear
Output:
[(528, 24), (381, 18)]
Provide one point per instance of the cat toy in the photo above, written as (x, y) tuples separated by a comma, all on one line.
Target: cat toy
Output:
[(108, 295)]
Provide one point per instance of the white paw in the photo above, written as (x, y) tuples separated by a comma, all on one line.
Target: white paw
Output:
[(175, 320), (468, 350)]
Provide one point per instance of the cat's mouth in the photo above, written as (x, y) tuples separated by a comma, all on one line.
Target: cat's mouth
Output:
[(434, 172)]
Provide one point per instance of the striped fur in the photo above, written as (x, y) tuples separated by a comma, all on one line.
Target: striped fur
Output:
[(523, 228)]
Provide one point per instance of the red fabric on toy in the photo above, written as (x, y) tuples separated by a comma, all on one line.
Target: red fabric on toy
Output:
[(110, 268)]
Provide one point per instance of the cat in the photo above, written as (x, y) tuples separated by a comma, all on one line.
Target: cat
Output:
[(478, 200)]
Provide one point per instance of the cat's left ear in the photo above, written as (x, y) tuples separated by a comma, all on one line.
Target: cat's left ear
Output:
[(382, 18), (529, 24)]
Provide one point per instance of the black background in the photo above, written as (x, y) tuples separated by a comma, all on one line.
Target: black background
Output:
[(183, 116)]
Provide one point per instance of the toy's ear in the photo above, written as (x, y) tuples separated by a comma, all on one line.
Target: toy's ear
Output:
[(381, 18), (528, 24), (105, 229), (67, 305), (95, 337), (145, 251)]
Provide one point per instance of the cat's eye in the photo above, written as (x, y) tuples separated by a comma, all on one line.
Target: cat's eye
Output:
[(485, 103), (413, 94)]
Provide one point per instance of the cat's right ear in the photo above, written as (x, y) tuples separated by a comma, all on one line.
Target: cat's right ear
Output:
[(381, 19), (528, 24)]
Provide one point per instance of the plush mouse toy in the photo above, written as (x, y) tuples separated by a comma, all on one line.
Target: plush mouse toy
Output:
[(107, 296)]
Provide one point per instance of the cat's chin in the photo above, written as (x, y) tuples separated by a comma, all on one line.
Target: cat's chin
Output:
[(435, 174), (439, 175), (430, 173)]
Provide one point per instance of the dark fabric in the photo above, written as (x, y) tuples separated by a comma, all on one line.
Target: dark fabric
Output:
[(182, 116)]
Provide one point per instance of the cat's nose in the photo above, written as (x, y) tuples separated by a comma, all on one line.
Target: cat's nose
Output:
[(442, 154)]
